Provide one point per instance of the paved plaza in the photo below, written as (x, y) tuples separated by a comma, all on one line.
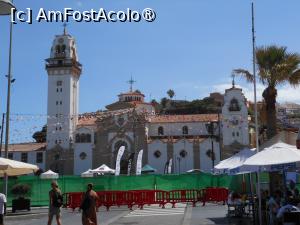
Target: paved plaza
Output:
[(211, 214)]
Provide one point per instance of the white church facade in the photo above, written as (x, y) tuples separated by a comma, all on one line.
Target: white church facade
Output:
[(78, 142)]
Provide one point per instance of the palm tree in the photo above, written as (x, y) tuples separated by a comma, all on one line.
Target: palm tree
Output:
[(275, 67), (171, 93)]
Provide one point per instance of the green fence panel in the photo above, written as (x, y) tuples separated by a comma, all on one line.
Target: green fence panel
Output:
[(39, 193), (123, 183)]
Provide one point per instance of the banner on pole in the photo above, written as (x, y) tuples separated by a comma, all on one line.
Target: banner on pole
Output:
[(131, 157), (118, 161), (139, 163)]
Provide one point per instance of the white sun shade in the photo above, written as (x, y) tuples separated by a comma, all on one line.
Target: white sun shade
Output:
[(277, 154), (15, 168)]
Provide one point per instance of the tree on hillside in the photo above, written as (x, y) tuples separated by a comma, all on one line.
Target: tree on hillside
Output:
[(171, 93), (275, 67), (40, 136), (163, 102)]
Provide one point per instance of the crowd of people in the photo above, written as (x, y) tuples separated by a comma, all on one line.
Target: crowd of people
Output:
[(273, 205), (280, 202)]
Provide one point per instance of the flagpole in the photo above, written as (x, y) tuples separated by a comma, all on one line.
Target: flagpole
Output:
[(255, 113)]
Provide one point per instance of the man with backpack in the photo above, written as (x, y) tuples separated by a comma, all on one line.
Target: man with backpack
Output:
[(55, 202)]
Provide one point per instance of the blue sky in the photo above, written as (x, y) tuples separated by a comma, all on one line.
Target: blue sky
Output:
[(191, 47)]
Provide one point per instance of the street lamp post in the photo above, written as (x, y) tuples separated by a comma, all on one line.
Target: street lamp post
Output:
[(179, 160), (210, 127), (5, 9)]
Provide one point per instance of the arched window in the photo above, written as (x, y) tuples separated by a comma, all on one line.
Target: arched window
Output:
[(82, 138), (160, 131), (120, 143), (63, 49), (77, 138), (57, 49), (88, 138), (234, 105), (185, 130)]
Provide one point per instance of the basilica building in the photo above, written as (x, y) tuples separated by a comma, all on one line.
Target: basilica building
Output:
[(78, 142)]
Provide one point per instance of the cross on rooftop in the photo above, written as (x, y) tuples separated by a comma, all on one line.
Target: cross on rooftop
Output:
[(131, 82), (65, 28), (233, 81)]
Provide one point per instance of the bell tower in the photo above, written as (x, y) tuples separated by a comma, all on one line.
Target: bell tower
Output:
[(64, 71), (235, 128)]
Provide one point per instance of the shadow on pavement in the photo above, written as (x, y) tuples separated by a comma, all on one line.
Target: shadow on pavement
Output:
[(231, 221)]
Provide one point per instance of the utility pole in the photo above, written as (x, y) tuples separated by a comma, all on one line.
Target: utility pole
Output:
[(1, 136), (255, 112), (9, 81)]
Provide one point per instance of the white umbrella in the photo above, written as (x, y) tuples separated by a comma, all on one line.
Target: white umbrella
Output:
[(103, 169), (277, 156), (194, 171), (88, 173), (234, 164), (49, 175), (15, 168)]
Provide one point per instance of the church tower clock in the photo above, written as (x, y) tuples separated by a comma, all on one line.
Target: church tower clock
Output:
[(64, 71)]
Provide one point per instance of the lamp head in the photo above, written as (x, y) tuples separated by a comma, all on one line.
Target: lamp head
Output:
[(5, 7)]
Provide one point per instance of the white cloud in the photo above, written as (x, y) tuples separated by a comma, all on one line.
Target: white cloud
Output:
[(288, 94)]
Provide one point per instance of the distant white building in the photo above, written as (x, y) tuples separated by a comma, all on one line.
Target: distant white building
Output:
[(33, 153), (288, 114)]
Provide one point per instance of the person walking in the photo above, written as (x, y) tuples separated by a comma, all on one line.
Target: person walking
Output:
[(89, 206), (55, 202), (2, 207)]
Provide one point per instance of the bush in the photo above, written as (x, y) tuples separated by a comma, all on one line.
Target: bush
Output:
[(20, 190)]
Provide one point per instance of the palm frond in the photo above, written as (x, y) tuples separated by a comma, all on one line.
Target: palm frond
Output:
[(294, 78), (244, 73)]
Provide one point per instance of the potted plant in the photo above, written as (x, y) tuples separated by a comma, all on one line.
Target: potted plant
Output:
[(20, 191)]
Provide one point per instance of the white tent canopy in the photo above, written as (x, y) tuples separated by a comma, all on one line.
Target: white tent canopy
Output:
[(103, 169), (279, 154), (49, 175), (234, 164), (88, 173), (15, 168)]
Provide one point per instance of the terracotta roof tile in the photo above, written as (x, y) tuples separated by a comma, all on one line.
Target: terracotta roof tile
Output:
[(183, 118), (26, 147), (87, 121)]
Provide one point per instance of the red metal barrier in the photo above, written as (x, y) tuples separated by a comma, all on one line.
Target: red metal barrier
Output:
[(74, 200), (215, 195), (177, 196), (161, 198), (148, 197)]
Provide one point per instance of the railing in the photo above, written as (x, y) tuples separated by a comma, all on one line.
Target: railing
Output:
[(139, 198)]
